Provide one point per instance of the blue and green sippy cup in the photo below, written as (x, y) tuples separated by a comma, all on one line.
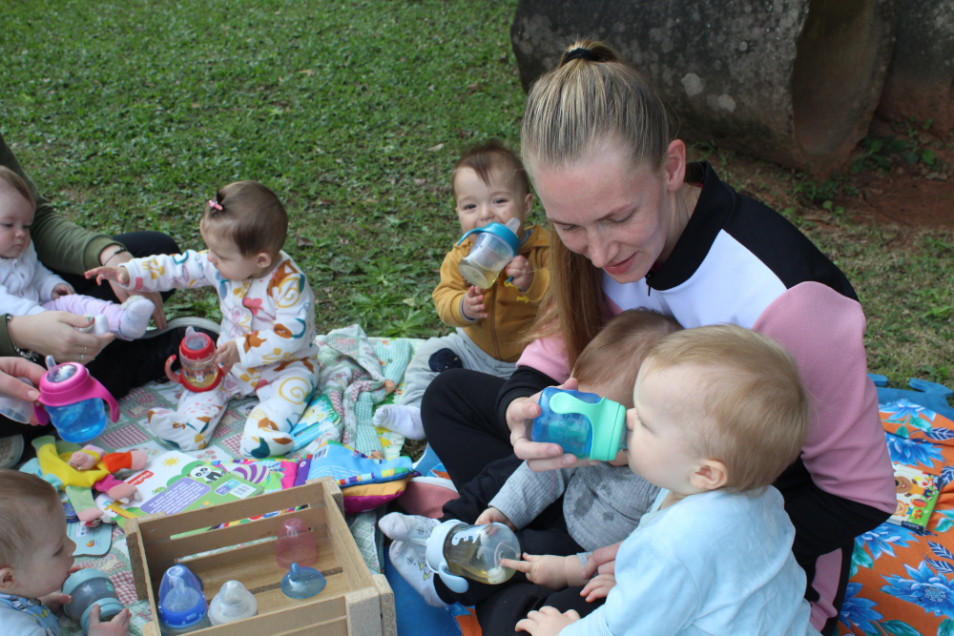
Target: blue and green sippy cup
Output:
[(583, 424)]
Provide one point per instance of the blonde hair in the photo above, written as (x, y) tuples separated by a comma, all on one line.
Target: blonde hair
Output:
[(754, 409), (251, 216), (612, 358), (18, 183), (20, 495), (592, 98)]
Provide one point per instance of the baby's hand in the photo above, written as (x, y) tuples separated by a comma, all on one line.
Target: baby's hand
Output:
[(491, 515), (227, 355), (55, 600), (521, 272), (113, 274), (118, 626), (598, 587), (546, 570), (548, 620), (60, 290), (472, 306)]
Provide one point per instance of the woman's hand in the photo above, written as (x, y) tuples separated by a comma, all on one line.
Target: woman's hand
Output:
[(14, 367), (57, 334), (540, 456)]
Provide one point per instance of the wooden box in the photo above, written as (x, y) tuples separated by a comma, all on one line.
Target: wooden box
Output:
[(354, 601)]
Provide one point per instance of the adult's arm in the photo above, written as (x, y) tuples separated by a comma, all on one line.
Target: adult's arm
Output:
[(847, 486)]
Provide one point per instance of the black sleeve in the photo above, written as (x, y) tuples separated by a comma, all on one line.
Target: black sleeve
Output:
[(823, 522), (525, 381)]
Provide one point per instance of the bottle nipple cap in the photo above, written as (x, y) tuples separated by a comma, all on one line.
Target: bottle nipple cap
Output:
[(232, 603), (181, 601), (302, 582)]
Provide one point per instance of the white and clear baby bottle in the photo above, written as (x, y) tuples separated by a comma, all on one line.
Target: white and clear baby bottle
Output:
[(458, 551)]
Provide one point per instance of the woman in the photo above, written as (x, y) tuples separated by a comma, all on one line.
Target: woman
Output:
[(639, 227)]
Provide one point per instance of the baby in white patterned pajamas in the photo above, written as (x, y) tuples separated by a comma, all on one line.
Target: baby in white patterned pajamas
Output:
[(267, 339)]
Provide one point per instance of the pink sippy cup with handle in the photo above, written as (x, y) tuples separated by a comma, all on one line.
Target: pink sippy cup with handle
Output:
[(197, 355), (73, 400)]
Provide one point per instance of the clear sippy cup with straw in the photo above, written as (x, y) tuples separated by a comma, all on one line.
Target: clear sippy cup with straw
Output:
[(495, 245), (458, 551), (197, 356), (583, 424), (73, 400)]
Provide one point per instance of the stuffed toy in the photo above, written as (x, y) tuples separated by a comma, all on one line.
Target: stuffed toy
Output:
[(88, 468)]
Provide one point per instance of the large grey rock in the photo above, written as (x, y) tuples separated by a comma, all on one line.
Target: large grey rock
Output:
[(920, 81), (791, 81)]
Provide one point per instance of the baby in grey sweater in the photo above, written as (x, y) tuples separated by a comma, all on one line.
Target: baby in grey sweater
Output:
[(602, 501)]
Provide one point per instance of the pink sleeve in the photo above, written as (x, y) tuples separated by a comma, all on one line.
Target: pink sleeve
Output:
[(845, 451), (546, 355)]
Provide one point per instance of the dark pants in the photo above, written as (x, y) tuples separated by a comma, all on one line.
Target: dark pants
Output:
[(460, 420), (121, 365)]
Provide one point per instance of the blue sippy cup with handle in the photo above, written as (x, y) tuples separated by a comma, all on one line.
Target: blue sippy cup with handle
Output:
[(583, 424), (73, 400), (495, 245)]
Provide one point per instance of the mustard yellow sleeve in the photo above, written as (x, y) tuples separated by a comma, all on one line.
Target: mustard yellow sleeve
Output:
[(451, 290)]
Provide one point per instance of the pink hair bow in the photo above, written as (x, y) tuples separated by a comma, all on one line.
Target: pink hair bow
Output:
[(215, 205)]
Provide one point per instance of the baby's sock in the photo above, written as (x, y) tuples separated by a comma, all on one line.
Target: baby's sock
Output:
[(408, 560), (134, 317), (404, 420), (411, 528)]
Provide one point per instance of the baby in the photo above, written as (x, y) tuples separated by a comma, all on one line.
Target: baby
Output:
[(490, 186), (28, 287), (36, 557), (718, 413), (557, 512), (267, 340)]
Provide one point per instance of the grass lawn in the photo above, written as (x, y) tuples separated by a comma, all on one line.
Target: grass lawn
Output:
[(130, 114)]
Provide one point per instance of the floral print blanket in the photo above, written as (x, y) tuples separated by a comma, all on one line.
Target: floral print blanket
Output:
[(902, 579)]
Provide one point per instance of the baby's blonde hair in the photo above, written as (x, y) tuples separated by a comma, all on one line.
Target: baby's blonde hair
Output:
[(21, 494), (753, 409)]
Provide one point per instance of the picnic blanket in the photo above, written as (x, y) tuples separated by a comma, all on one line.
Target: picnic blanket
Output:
[(902, 579), (357, 374)]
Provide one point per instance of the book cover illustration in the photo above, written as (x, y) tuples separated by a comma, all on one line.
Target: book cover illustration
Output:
[(175, 482), (917, 495)]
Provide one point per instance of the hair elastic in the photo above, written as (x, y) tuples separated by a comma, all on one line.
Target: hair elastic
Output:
[(581, 53), (215, 205)]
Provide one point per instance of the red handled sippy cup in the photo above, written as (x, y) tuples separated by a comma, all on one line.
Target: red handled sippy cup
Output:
[(73, 400), (199, 371)]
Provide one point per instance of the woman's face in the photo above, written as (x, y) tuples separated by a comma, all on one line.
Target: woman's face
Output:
[(620, 217)]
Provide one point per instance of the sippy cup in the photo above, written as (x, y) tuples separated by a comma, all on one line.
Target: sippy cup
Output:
[(295, 544), (89, 587), (182, 607), (199, 372), (456, 549), (494, 246), (73, 400), (232, 603), (584, 424)]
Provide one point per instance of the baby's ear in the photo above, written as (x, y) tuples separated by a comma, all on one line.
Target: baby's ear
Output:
[(263, 260), (710, 474)]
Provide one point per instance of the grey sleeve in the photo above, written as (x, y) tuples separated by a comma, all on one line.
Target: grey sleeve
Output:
[(526, 493)]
